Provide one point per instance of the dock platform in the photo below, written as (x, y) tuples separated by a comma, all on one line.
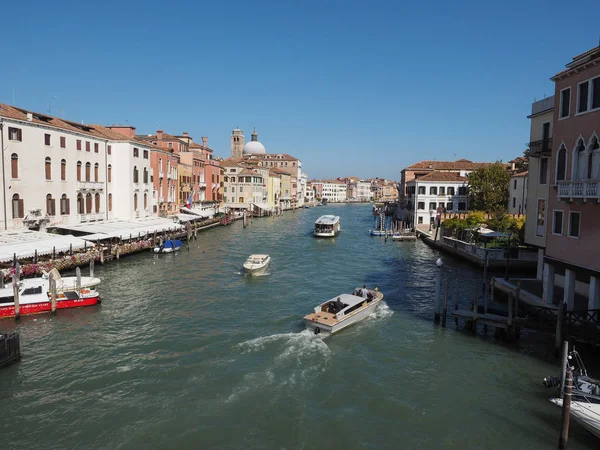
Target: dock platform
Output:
[(10, 348)]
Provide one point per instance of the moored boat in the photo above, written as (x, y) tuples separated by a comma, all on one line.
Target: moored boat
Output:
[(585, 412), (257, 264), (377, 232), (172, 245), (327, 226), (342, 311)]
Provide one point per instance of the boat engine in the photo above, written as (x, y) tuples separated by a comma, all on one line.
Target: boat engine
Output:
[(550, 382)]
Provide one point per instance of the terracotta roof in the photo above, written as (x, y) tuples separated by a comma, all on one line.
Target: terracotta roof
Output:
[(589, 52), (111, 134), (280, 170), (572, 65), (441, 176), (273, 157), (248, 172), (461, 164), (273, 173)]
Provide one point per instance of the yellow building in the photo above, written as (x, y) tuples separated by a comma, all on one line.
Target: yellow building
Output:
[(184, 183), (285, 200), (274, 189)]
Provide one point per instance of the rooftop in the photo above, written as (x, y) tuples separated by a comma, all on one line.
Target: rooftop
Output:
[(461, 164), (442, 176)]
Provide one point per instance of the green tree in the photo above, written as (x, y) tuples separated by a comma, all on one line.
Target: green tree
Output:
[(488, 188)]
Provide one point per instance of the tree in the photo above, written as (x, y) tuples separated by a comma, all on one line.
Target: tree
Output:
[(488, 188)]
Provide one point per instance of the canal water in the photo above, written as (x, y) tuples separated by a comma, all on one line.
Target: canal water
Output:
[(185, 352)]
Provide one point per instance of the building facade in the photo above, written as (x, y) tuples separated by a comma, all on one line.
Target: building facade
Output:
[(517, 193)]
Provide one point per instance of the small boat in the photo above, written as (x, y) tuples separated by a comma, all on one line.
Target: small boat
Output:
[(327, 226), (406, 236), (342, 311), (257, 264), (34, 295), (584, 386), (172, 245), (586, 413), (377, 232)]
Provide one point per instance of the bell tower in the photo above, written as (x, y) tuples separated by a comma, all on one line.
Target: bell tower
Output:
[(237, 143)]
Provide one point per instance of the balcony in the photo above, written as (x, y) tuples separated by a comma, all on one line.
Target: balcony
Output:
[(161, 199), (202, 185), (579, 189), (169, 176), (541, 148), (161, 174), (90, 185)]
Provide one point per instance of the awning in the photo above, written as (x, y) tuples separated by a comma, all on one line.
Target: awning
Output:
[(122, 229), (262, 206), (24, 244)]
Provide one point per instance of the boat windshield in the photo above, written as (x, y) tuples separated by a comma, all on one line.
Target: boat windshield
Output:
[(322, 227)]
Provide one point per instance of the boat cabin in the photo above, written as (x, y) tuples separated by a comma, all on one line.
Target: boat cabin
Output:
[(346, 304), (327, 225)]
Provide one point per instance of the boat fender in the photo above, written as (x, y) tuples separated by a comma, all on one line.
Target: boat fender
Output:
[(99, 300), (317, 330)]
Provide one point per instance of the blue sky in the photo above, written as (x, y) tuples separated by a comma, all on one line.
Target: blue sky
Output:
[(351, 88)]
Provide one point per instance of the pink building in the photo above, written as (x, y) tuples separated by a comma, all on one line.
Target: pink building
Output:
[(572, 214)]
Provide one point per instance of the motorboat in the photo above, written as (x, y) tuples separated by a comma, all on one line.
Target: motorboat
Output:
[(404, 236), (584, 386), (342, 311), (170, 246), (257, 264), (34, 294), (585, 412), (327, 226), (377, 232)]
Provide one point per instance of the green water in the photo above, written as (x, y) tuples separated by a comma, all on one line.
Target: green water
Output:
[(185, 352)]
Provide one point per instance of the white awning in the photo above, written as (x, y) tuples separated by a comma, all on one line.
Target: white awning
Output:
[(262, 206), (122, 229), (24, 243)]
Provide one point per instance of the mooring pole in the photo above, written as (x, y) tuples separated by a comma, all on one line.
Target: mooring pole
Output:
[(566, 410), (92, 268), (52, 293), (438, 296), (16, 295), (445, 312), (78, 273), (564, 365)]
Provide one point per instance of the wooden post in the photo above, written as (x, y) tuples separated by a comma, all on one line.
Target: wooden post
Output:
[(1, 280), (35, 257), (101, 255), (559, 326), (566, 410), (52, 294), (445, 312), (564, 365), (70, 249), (16, 295), (53, 252), (510, 310), (438, 296), (154, 239), (456, 307), (92, 268), (78, 273), (118, 251)]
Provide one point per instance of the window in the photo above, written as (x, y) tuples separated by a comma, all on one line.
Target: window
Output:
[(88, 203), (63, 142), (462, 190), (557, 225), (88, 171), (145, 201), (95, 147), (565, 103), (514, 184), (514, 202), (109, 149), (78, 144), (135, 202), (421, 205), (87, 146), (63, 170), (561, 163), (97, 202), (449, 206), (46, 139), (135, 175), (17, 207), (14, 165), (421, 190), (462, 206), (145, 154), (80, 205), (543, 175), (582, 96), (109, 174), (136, 152), (109, 202), (595, 94), (541, 216), (433, 190), (48, 169), (574, 222), (451, 191), (65, 207), (145, 175), (442, 190), (580, 163), (170, 145), (96, 172), (50, 205), (14, 134), (431, 206), (78, 170), (420, 220)]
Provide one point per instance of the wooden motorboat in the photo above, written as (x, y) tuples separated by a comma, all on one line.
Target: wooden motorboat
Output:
[(342, 311), (257, 264)]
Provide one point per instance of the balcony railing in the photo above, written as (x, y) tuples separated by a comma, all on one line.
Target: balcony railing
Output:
[(90, 185), (540, 148), (583, 189)]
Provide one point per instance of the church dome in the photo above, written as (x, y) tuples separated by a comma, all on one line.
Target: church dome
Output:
[(254, 147)]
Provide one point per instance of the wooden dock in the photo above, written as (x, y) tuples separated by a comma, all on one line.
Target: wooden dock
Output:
[(10, 348)]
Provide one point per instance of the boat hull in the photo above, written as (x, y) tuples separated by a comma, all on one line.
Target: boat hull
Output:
[(319, 327), (325, 234), (587, 414), (41, 307), (253, 269), (376, 233)]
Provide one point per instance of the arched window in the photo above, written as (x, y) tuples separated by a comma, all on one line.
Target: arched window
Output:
[(63, 169), (561, 163), (109, 175), (145, 200), (594, 160), (80, 205), (65, 207), (580, 161), (145, 175), (88, 203), (88, 170), (96, 172), (97, 202), (14, 165), (50, 205), (79, 171), (109, 202), (17, 207), (135, 174), (48, 169), (135, 202)]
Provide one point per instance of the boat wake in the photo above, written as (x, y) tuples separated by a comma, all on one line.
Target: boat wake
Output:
[(297, 345), (382, 311)]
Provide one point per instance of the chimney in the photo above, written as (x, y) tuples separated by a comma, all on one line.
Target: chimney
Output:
[(125, 130), (204, 141), (29, 117), (185, 133), (159, 134)]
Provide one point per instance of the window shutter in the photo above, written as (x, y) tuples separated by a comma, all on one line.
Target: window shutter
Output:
[(68, 206), (21, 209), (53, 207)]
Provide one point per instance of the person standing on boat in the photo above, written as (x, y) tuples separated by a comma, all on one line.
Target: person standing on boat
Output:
[(364, 292), (339, 305)]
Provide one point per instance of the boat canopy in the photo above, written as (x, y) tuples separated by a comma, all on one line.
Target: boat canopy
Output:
[(172, 243), (327, 220), (259, 258), (347, 299)]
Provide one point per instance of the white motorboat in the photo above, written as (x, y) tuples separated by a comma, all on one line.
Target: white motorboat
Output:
[(377, 232), (257, 264), (327, 226), (587, 414), (342, 311)]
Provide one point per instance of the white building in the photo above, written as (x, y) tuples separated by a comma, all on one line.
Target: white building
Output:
[(517, 199), (243, 188), (334, 191), (434, 193), (364, 192), (58, 172)]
